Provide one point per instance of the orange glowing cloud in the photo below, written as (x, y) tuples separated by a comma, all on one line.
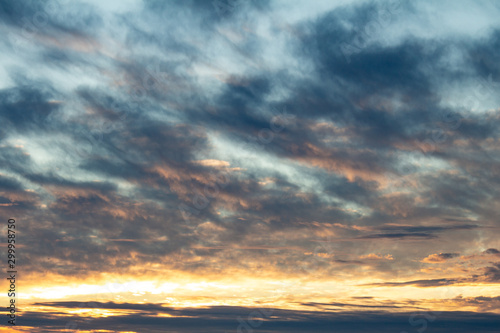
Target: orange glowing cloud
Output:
[(213, 163), (439, 258), (377, 256)]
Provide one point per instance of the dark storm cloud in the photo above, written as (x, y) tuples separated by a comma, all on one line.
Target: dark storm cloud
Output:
[(13, 158), (491, 251), (492, 273), (25, 107), (374, 73), (13, 12), (9, 184), (225, 318), (244, 97), (484, 56), (376, 70)]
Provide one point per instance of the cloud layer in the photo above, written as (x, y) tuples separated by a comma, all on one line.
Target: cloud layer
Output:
[(355, 140)]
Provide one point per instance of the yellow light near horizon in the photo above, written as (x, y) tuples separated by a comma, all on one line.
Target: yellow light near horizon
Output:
[(286, 293)]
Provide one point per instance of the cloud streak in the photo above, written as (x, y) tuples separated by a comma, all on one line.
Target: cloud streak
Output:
[(353, 142)]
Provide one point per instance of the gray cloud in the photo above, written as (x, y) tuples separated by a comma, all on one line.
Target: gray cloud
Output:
[(109, 117), (221, 318)]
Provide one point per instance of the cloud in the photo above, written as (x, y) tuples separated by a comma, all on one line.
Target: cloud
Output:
[(377, 256), (421, 283), (439, 258), (483, 303), (491, 251), (414, 235), (24, 108), (257, 126), (492, 273), (213, 319)]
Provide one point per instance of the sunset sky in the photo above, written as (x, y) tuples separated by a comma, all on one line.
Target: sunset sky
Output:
[(251, 166)]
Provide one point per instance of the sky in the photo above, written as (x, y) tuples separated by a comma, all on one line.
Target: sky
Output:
[(251, 166)]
